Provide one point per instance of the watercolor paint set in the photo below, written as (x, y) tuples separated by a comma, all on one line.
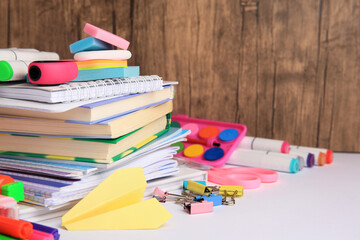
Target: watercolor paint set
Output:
[(210, 142)]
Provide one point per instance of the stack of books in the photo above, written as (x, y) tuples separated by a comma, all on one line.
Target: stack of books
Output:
[(61, 141)]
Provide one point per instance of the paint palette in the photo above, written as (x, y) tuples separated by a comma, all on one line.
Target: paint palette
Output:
[(210, 142)]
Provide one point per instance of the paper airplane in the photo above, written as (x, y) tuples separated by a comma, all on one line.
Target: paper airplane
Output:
[(117, 204)]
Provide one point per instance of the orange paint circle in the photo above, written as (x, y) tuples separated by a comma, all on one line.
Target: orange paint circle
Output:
[(208, 132), (194, 150)]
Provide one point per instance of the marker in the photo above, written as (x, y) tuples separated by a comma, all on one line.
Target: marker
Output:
[(13, 70), (320, 159), (16, 54), (39, 235), (299, 158), (15, 228), (264, 144), (261, 159), (309, 158), (43, 228)]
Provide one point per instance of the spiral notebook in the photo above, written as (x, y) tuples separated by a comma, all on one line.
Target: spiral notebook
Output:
[(81, 91)]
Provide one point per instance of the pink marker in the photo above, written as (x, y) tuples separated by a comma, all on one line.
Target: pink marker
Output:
[(9, 207), (38, 235), (200, 207), (106, 36)]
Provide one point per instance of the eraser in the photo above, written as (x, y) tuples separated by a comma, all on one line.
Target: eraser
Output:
[(106, 36), (106, 54), (89, 44)]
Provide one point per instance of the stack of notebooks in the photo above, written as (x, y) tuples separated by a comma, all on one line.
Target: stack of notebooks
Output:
[(61, 141)]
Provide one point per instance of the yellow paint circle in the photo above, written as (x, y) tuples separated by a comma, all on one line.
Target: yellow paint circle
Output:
[(194, 150)]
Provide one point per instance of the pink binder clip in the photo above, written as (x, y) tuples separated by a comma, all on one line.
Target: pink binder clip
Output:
[(198, 207), (159, 194)]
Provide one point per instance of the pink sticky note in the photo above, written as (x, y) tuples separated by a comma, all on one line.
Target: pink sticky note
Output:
[(106, 36)]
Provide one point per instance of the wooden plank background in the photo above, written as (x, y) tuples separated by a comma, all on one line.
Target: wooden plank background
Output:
[(287, 69)]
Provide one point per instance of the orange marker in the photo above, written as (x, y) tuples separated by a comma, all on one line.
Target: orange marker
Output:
[(15, 228)]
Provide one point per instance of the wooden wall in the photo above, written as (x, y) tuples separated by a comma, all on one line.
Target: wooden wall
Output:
[(287, 69)]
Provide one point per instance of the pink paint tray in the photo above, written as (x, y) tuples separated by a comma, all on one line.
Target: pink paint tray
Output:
[(210, 142)]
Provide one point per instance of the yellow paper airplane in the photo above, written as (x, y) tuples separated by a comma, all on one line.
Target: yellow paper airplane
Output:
[(117, 204)]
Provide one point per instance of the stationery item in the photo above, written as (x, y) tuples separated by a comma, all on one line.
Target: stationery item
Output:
[(14, 190), (112, 128), (106, 36), (249, 177), (91, 150), (309, 158), (15, 228), (58, 72), (216, 199), (6, 237), (9, 207), (101, 110), (89, 44), (18, 54), (102, 205), (22, 49), (260, 159), (4, 179), (53, 231), (210, 142), (264, 144), (75, 91), (108, 54), (13, 70), (198, 188), (38, 235), (300, 158), (319, 159), (187, 181), (198, 207), (230, 190)]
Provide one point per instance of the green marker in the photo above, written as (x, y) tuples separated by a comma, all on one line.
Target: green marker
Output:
[(13, 70)]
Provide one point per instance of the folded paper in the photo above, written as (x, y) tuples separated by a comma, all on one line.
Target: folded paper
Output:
[(117, 204)]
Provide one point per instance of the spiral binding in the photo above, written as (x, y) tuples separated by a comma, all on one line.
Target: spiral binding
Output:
[(76, 91)]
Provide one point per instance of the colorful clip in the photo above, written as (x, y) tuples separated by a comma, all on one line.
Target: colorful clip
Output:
[(230, 190), (160, 195), (15, 228), (198, 207), (14, 190), (216, 199), (186, 183), (198, 188), (232, 199)]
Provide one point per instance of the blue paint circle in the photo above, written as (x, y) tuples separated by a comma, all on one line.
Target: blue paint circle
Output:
[(228, 134), (214, 153)]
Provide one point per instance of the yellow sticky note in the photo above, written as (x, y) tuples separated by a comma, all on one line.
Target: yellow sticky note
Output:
[(149, 214), (117, 204)]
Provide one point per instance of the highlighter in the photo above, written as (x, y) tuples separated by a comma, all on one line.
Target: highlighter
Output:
[(264, 144), (15, 228)]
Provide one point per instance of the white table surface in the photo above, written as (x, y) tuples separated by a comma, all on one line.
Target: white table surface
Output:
[(316, 203)]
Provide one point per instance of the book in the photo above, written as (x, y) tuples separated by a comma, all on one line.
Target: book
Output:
[(30, 212), (76, 91), (101, 110), (112, 128), (79, 149)]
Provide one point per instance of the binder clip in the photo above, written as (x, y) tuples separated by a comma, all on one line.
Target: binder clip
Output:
[(230, 190), (216, 199), (232, 199), (198, 207), (159, 194), (198, 188), (185, 183)]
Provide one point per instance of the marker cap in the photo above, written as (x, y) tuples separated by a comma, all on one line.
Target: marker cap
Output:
[(329, 156), (6, 71), (294, 166), (285, 147), (310, 160)]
